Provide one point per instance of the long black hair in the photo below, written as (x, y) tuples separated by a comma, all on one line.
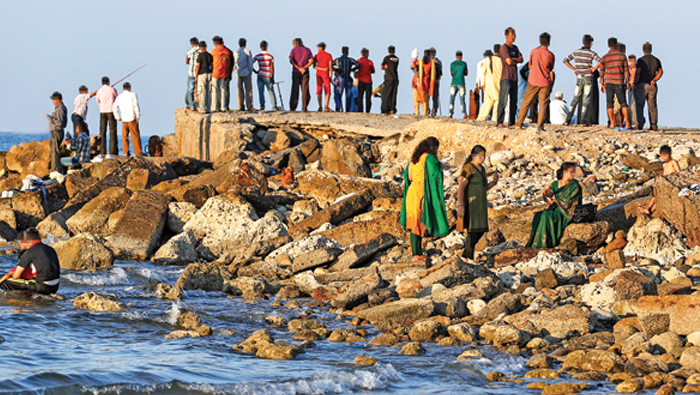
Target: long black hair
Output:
[(429, 145), (566, 166), (475, 151)]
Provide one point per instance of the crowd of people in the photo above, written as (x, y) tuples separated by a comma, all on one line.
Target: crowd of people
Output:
[(508, 90)]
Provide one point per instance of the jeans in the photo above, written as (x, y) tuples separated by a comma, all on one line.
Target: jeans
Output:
[(646, 93), (364, 91), (346, 87), (217, 94), (454, 91), (227, 93), (509, 89), (55, 154), (204, 91), (582, 97), (615, 91), (191, 82), (108, 118), (300, 82), (389, 96), (245, 93), (69, 161), (436, 97), (263, 84)]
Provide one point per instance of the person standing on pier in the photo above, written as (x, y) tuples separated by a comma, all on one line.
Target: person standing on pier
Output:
[(459, 70), (390, 65), (365, 69), (243, 66), (80, 109), (539, 82), (437, 65), (345, 66), (323, 63), (493, 69), (649, 71), (126, 109), (222, 63), (583, 65), (203, 72), (191, 61), (614, 72), (301, 59), (105, 99), (508, 92), (58, 120), (266, 76)]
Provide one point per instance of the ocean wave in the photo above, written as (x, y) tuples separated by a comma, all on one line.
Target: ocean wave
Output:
[(151, 274), (113, 276)]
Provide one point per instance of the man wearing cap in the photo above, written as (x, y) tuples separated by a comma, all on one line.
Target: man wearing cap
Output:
[(126, 109), (58, 120), (38, 270), (558, 110)]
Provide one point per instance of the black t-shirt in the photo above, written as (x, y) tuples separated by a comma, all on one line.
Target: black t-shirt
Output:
[(205, 61), (392, 65), (648, 66), (45, 261)]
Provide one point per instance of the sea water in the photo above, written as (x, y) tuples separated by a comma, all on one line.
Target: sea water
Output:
[(10, 139)]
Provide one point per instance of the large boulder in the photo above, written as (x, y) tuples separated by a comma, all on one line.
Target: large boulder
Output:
[(561, 321), (631, 285), (30, 209), (362, 232), (141, 179), (356, 292), (681, 313), (399, 313), (591, 235), (657, 240), (343, 157), (29, 158), (358, 254), (98, 302), (202, 276), (94, 216), (622, 213), (335, 213), (228, 220), (76, 182), (136, 234), (178, 215), (326, 187), (206, 136), (85, 251), (179, 250), (681, 212), (314, 259), (303, 246), (450, 272)]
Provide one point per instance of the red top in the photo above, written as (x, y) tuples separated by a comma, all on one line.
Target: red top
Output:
[(221, 57), (541, 66), (364, 74), (323, 59)]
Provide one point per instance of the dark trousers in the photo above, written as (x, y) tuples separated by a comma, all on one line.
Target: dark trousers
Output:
[(364, 91), (28, 285), (108, 117), (509, 89), (55, 156), (646, 93), (436, 98), (472, 239), (611, 92), (391, 87), (78, 120), (300, 81), (532, 92)]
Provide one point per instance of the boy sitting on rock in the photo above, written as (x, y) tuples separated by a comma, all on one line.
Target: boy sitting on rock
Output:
[(80, 145), (670, 166)]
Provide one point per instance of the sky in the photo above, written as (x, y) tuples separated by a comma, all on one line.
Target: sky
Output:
[(60, 45)]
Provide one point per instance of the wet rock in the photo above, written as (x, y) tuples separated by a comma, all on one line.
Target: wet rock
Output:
[(53, 225), (30, 209), (596, 360), (365, 360), (98, 302), (540, 361), (507, 335), (179, 250), (306, 282), (632, 286), (179, 334), (462, 332), (202, 276), (137, 233), (335, 213), (82, 252), (630, 386), (413, 349), (401, 312), (178, 215), (276, 321), (249, 287), (426, 330), (356, 292), (642, 366), (229, 220), (306, 335), (542, 374), (303, 246), (296, 325), (655, 239), (591, 235), (681, 312), (384, 339), (346, 335), (169, 292), (562, 321)]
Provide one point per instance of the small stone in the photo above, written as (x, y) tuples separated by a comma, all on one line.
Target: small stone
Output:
[(470, 355), (630, 386), (412, 348), (547, 374), (365, 360)]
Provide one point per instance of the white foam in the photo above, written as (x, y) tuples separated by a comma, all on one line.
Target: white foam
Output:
[(113, 276), (172, 314), (151, 274)]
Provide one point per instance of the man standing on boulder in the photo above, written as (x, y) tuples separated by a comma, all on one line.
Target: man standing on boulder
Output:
[(38, 269), (105, 99), (222, 62), (508, 92), (126, 109), (390, 65), (301, 59), (243, 66), (58, 120)]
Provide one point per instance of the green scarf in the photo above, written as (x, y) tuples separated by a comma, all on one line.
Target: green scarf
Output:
[(434, 212)]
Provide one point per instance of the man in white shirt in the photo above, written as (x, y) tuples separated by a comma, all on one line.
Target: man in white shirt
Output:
[(243, 66), (558, 109), (105, 99), (80, 109), (126, 109)]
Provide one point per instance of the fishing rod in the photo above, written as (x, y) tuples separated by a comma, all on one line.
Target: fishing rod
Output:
[(129, 75)]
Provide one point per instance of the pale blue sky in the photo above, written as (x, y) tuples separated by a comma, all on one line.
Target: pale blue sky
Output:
[(59, 45)]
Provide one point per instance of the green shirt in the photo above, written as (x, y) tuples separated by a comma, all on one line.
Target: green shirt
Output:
[(458, 67)]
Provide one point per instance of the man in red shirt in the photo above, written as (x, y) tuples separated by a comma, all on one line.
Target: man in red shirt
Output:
[(223, 63), (323, 63), (364, 80), (614, 76), (539, 82)]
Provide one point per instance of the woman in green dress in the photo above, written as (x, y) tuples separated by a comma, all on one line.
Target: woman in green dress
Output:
[(472, 208), (562, 196)]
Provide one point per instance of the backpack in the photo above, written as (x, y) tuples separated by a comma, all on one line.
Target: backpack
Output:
[(154, 146)]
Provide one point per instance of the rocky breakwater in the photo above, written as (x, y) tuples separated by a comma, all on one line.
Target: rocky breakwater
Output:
[(615, 302)]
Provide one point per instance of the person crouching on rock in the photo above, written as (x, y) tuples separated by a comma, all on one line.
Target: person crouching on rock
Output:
[(80, 145), (562, 196), (423, 208), (472, 208), (38, 270)]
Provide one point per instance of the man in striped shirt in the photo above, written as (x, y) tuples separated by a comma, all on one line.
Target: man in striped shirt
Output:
[(614, 74), (345, 66), (266, 76), (583, 59)]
